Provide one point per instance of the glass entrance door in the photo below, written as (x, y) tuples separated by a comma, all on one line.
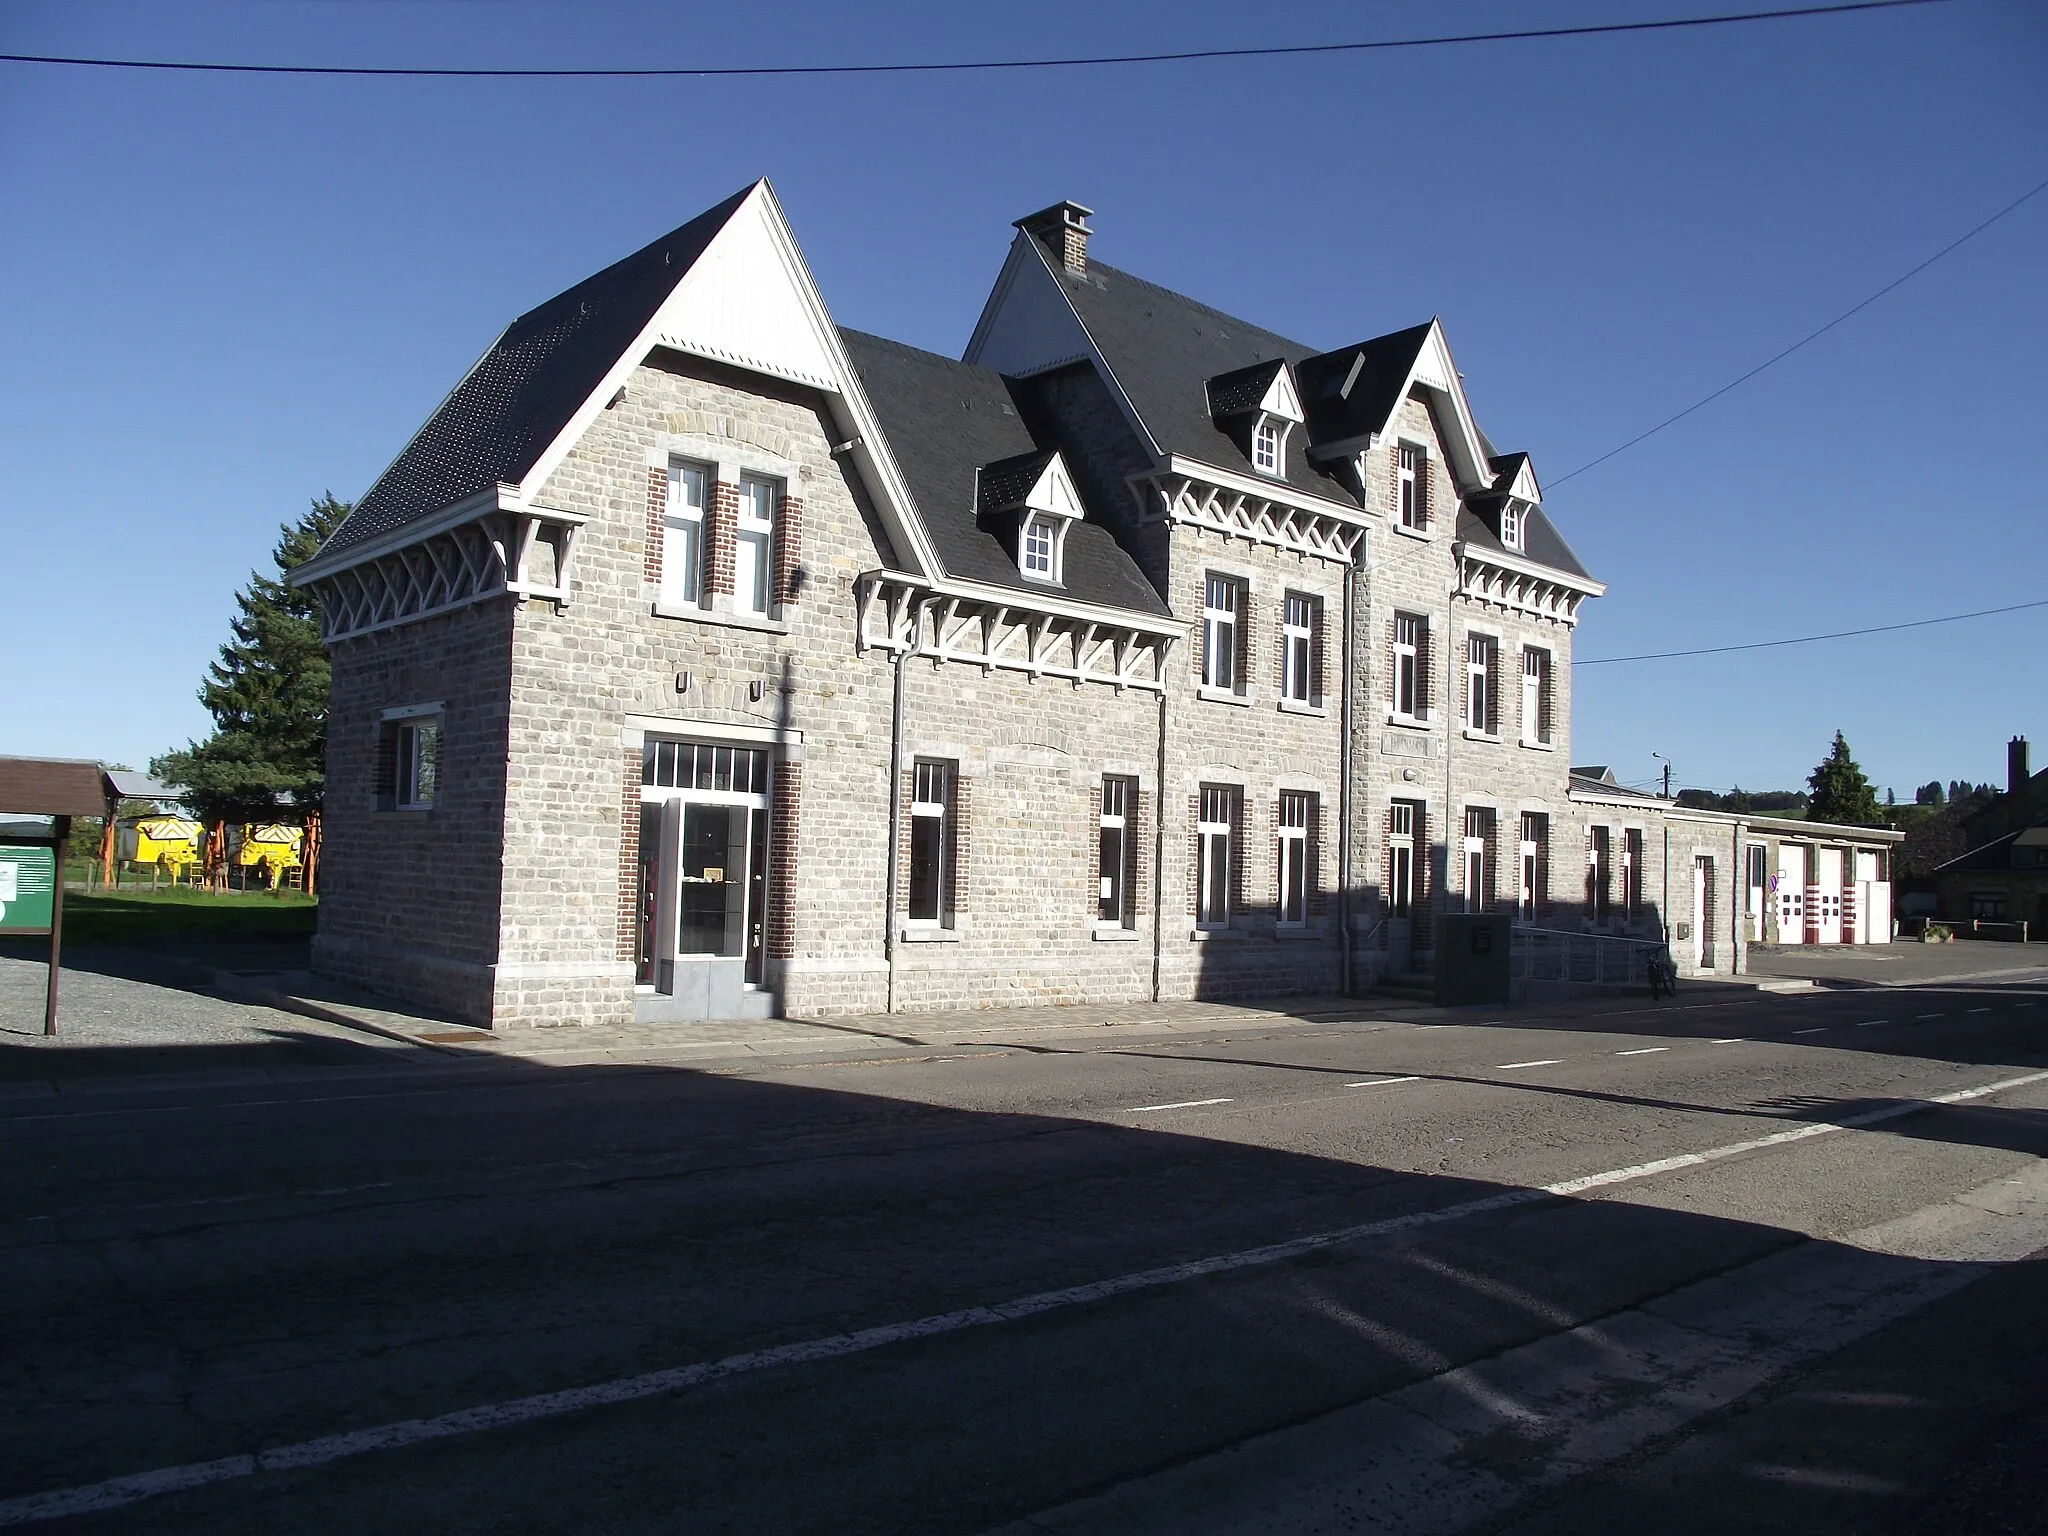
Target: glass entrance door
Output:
[(702, 902)]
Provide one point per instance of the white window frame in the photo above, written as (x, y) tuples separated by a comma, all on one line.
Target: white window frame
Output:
[(1220, 631), (1513, 522), (1298, 648), (1536, 671), (1116, 884), (754, 531), (1216, 855), (1599, 887), (931, 799), (1412, 487), (1039, 524), (1296, 879), (1530, 869), (1629, 859), (416, 746), (1481, 658), (1407, 668), (1401, 859), (1269, 441), (682, 533), (1474, 846)]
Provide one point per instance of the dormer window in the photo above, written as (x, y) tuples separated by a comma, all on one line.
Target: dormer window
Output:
[(1041, 549), (1029, 502), (1266, 447), (1512, 519)]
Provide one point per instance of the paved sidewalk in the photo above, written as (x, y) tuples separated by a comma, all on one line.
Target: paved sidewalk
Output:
[(1898, 965)]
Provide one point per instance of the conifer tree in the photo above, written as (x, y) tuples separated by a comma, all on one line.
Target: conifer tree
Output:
[(267, 693), (1841, 794)]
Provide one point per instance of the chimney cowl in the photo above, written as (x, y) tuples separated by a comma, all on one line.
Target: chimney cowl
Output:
[(1063, 230)]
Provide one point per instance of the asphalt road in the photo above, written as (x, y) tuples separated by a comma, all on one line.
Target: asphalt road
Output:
[(935, 1291)]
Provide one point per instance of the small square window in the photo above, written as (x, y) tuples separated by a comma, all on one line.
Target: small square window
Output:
[(1041, 549), (1266, 447)]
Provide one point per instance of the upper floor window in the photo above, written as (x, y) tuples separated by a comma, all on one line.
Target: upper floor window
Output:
[(682, 533), (1411, 645), (1041, 548), (753, 564), (1413, 487), (1511, 523), (1266, 446), (1535, 696), (1222, 604), (1298, 616), (1481, 677)]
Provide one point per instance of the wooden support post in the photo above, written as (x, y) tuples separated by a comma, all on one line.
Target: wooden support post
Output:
[(56, 923)]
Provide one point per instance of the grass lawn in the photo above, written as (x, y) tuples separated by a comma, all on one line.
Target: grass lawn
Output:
[(138, 917)]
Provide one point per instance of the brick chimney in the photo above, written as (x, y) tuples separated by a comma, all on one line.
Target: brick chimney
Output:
[(1063, 230), (2016, 773)]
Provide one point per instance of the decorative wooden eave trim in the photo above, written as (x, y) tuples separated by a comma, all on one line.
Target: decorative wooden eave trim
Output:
[(1502, 581), (480, 549), (990, 627), (1259, 511)]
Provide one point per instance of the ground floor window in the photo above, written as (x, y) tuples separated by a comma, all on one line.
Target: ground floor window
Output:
[(1532, 873), (1216, 858), (1116, 865), (1477, 863), (931, 843), (1294, 853), (1988, 904), (1402, 817)]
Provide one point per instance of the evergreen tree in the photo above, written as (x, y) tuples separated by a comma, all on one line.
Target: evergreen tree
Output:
[(1930, 794), (1841, 794), (267, 693)]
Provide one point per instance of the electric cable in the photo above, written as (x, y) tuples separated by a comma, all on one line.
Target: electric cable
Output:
[(1837, 634), (1192, 55)]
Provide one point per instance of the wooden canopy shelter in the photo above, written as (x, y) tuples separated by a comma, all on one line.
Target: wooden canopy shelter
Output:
[(32, 866)]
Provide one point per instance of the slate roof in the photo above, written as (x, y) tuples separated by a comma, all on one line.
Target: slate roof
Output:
[(520, 394), (1376, 371), (1241, 390), (1006, 482), (1164, 348), (945, 421), (1542, 544)]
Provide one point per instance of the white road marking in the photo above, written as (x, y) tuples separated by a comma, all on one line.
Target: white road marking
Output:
[(1976, 1010), (1510, 1066), (1644, 1050), (1817, 1029), (1146, 1109), (1866, 1023), (1918, 1016), (61, 1503), (1731, 1040), (1381, 1082)]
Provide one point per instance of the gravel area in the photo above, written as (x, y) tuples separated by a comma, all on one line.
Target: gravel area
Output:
[(115, 1024)]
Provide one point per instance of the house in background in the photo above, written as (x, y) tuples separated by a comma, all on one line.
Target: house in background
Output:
[(701, 658), (2004, 875)]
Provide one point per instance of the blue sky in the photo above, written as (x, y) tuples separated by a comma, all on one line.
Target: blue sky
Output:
[(220, 296)]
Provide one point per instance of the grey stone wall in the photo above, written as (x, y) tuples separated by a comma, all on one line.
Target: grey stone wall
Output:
[(409, 899)]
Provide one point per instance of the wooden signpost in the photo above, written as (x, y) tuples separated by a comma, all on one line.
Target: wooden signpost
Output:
[(32, 866)]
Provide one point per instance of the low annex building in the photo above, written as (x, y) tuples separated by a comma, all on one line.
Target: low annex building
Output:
[(701, 658)]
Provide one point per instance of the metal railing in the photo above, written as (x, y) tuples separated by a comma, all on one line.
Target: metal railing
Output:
[(1553, 954)]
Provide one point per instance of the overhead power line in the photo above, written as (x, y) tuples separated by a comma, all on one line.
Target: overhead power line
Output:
[(1187, 56), (2035, 191), (1838, 634)]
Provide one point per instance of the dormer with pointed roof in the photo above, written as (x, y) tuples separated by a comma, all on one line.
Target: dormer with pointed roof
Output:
[(1259, 408)]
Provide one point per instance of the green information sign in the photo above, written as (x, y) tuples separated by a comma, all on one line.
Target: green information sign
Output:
[(28, 879)]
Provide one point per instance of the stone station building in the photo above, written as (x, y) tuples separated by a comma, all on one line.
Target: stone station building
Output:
[(699, 658)]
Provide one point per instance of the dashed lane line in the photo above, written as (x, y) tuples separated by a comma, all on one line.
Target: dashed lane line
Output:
[(1644, 1050), (1869, 1023), (1514, 1066), (1148, 1109), (1817, 1029), (113, 1492), (1976, 1010), (1381, 1082), (1923, 1017), (1731, 1040)]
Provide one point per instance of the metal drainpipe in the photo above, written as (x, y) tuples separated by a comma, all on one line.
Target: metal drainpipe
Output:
[(1454, 830), (1344, 795), (895, 812), (1159, 835)]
